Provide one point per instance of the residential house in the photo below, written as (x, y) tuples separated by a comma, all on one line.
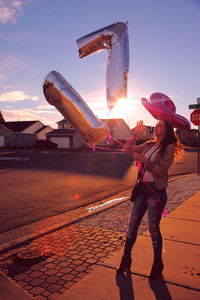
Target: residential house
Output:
[(42, 132), (35, 127), (119, 130), (65, 136), (20, 132), (188, 137), (4, 131)]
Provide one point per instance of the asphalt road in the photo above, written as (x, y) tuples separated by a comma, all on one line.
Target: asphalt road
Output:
[(52, 182)]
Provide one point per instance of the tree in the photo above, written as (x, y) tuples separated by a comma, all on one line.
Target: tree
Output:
[(1, 117)]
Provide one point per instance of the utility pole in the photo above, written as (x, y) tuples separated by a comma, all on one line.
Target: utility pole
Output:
[(195, 119), (198, 101)]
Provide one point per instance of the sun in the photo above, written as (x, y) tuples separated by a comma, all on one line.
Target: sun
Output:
[(122, 108)]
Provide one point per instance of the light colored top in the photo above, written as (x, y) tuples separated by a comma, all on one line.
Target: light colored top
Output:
[(162, 162), (148, 176)]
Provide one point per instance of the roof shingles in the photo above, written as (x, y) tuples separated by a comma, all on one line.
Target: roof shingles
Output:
[(18, 126), (61, 132)]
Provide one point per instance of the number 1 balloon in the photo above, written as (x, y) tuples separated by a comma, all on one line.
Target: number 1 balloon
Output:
[(60, 93), (162, 107), (114, 38)]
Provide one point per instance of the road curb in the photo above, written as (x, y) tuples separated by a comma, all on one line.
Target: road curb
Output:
[(37, 229), (13, 158), (14, 238)]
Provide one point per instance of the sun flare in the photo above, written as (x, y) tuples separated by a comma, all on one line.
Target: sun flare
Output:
[(123, 108)]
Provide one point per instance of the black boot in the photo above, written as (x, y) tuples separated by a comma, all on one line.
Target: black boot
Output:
[(125, 264), (158, 265), (157, 269), (126, 258)]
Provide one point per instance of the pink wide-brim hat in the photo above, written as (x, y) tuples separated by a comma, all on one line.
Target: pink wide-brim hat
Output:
[(162, 107)]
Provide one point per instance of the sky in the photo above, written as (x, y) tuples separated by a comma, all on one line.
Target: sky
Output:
[(38, 36)]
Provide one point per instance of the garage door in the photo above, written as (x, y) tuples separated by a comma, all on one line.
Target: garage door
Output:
[(62, 142)]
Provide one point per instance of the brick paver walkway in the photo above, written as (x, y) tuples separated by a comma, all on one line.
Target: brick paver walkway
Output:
[(69, 254)]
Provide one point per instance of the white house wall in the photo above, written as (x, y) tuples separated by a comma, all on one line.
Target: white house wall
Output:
[(77, 141), (33, 128), (42, 134), (121, 131)]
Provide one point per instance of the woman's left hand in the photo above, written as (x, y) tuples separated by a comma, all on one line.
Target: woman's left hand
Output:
[(139, 157)]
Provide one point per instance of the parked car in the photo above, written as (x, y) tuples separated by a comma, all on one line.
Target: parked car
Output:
[(43, 144)]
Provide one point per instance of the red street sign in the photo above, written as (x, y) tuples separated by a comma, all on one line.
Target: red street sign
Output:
[(195, 117)]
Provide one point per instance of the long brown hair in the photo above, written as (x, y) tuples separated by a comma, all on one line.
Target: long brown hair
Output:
[(171, 138)]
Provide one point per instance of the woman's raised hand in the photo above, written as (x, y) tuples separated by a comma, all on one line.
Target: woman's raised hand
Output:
[(130, 142), (139, 128)]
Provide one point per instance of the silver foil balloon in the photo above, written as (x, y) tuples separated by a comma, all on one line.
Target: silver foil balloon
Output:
[(115, 39), (60, 93)]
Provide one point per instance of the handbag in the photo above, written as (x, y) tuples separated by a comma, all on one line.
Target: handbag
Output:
[(137, 187), (135, 190)]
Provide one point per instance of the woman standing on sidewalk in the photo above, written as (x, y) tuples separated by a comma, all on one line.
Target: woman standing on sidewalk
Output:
[(155, 157)]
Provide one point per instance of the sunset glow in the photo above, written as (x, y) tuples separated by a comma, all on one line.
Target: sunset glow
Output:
[(123, 108), (24, 65)]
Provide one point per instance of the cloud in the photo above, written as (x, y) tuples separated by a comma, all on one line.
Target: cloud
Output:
[(10, 10), (16, 96), (32, 115), (45, 107)]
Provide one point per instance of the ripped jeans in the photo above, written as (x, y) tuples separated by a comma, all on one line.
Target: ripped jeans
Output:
[(153, 200)]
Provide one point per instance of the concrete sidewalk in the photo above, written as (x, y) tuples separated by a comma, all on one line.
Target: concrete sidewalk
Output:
[(15, 237), (80, 263), (9, 290), (181, 258)]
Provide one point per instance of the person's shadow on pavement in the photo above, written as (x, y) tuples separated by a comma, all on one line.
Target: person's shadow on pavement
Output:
[(160, 289), (124, 282)]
